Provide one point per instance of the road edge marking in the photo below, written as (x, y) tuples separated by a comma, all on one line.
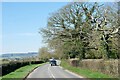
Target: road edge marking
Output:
[(71, 72), (26, 77)]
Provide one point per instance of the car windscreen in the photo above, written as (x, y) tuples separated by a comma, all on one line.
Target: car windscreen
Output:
[(53, 61)]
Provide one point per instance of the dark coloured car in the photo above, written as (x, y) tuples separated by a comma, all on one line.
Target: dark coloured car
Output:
[(53, 62)]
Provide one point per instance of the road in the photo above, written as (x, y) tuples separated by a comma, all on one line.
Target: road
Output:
[(53, 73)]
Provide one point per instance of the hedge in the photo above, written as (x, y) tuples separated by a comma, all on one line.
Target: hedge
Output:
[(109, 67), (12, 66)]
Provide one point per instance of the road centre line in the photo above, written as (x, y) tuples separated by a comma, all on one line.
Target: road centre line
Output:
[(51, 73)]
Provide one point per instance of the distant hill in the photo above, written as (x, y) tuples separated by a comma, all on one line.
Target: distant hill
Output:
[(18, 55)]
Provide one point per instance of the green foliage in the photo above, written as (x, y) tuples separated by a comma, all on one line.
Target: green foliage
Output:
[(84, 72), (12, 66), (21, 72), (81, 27), (103, 50)]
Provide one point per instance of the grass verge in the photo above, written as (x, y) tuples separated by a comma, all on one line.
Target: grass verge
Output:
[(86, 73), (22, 72)]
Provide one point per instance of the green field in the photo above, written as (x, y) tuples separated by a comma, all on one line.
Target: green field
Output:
[(85, 73), (22, 72)]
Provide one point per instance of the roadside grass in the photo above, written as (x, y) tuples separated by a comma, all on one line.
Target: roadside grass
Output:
[(22, 72), (87, 73)]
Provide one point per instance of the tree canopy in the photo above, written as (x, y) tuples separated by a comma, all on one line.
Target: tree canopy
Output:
[(84, 30)]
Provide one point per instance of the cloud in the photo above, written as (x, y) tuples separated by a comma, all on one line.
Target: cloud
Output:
[(28, 34)]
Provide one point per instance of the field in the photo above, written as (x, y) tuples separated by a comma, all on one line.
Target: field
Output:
[(18, 55)]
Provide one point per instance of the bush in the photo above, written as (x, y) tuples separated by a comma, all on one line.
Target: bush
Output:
[(109, 67), (12, 66)]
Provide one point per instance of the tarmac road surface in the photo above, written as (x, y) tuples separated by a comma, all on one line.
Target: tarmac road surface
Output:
[(49, 72)]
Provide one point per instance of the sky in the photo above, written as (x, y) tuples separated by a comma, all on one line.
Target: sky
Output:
[(21, 22)]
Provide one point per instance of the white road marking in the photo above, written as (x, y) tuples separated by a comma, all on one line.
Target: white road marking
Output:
[(51, 73), (64, 76), (72, 73)]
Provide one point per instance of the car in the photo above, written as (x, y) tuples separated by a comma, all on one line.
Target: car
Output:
[(53, 62)]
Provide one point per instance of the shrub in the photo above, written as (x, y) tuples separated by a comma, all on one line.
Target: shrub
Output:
[(12, 66)]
